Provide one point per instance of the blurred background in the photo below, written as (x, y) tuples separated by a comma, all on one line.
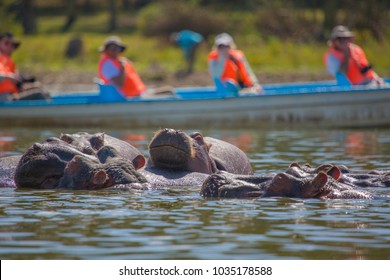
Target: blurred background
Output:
[(283, 40)]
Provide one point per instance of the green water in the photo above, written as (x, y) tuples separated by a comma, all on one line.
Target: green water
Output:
[(179, 224)]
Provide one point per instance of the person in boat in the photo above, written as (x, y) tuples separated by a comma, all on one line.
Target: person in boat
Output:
[(14, 86), (117, 70), (188, 41), (347, 62), (229, 68)]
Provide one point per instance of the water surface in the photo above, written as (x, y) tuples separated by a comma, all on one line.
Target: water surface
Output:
[(179, 224)]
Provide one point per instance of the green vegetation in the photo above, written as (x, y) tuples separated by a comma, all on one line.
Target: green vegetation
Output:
[(275, 38)]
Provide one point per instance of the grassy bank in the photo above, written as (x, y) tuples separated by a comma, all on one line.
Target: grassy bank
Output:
[(156, 59)]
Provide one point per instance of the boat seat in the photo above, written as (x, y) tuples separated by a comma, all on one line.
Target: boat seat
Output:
[(225, 89), (342, 80), (109, 93)]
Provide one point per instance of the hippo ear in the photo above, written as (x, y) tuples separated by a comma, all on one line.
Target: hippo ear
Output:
[(97, 141), (198, 138), (295, 164), (334, 172), (320, 180), (307, 164), (324, 168), (66, 138), (139, 162), (99, 178)]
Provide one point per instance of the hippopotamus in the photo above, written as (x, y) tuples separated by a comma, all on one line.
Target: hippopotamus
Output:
[(91, 143), (53, 164), (295, 182), (110, 170), (7, 171), (372, 179), (97, 161), (181, 159), (176, 150)]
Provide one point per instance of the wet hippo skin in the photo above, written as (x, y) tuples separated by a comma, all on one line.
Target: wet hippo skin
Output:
[(176, 150), (323, 183)]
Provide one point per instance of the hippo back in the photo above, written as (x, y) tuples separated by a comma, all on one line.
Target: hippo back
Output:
[(7, 171), (229, 157)]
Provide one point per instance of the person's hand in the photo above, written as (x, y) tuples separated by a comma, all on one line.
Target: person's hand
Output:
[(255, 89)]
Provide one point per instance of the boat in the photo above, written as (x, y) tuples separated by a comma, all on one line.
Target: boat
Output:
[(310, 104)]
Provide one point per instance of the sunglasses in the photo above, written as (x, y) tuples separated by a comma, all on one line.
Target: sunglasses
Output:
[(114, 48), (10, 43), (343, 38)]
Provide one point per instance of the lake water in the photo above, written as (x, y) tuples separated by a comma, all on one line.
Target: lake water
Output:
[(180, 224)]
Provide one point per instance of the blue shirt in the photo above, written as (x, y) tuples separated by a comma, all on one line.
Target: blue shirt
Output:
[(109, 70), (186, 39)]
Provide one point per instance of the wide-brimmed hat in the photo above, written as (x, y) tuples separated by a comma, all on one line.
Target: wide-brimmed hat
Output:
[(10, 37), (341, 31), (224, 39), (112, 40)]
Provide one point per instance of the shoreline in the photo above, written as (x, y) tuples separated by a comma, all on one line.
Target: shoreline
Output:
[(85, 81)]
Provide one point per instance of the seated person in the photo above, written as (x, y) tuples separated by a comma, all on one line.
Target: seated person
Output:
[(119, 71), (229, 68), (347, 62), (13, 86)]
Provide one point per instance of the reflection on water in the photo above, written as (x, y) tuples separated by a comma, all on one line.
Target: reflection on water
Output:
[(179, 224)]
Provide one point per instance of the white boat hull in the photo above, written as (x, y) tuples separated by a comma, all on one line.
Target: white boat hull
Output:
[(336, 109)]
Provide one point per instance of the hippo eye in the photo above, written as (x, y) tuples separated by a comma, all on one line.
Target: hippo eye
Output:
[(88, 150), (51, 182), (195, 134), (66, 138)]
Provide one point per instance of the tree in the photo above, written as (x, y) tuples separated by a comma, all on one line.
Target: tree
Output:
[(330, 8), (71, 15), (112, 17), (28, 16)]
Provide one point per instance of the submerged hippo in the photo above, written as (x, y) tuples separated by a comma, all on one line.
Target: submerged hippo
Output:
[(108, 170), (181, 159), (295, 182), (92, 143), (7, 171), (53, 164), (176, 150)]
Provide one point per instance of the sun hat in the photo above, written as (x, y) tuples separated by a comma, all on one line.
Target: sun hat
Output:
[(112, 40), (10, 37), (341, 31), (224, 39)]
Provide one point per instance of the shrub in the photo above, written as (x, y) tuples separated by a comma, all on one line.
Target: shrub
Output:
[(285, 23), (161, 19)]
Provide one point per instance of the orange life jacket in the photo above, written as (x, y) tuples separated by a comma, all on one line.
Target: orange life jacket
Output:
[(132, 86), (7, 66), (359, 71), (234, 67)]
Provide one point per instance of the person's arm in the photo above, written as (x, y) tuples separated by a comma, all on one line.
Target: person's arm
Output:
[(332, 64), (112, 73), (217, 66), (13, 78), (120, 79)]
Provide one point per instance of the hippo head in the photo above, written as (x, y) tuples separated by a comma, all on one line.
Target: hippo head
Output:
[(221, 184), (42, 165), (287, 185), (89, 173), (176, 150), (84, 142), (304, 171), (55, 164)]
